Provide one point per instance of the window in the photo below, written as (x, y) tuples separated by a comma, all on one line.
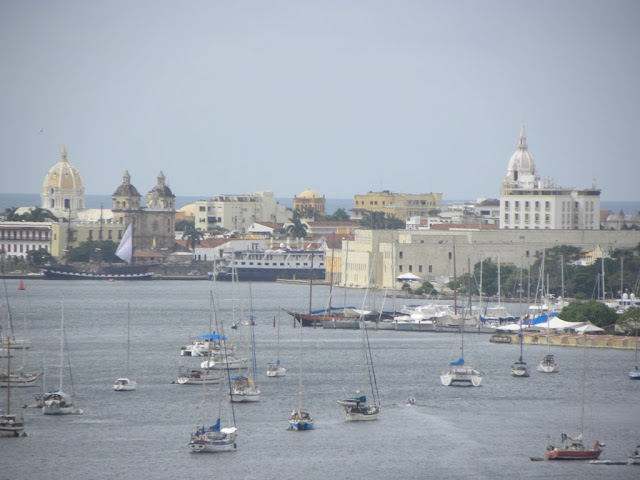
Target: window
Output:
[(430, 268), (517, 204), (506, 204)]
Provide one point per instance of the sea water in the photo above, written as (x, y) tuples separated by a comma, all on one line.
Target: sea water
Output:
[(489, 432)]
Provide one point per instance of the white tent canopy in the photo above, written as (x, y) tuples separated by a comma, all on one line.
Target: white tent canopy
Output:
[(556, 323), (408, 277), (588, 327)]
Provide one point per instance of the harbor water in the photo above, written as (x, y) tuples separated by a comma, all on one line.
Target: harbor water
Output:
[(489, 432)]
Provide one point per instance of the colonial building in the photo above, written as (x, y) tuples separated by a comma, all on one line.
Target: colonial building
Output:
[(18, 238), (310, 199), (530, 202), (401, 205), (239, 212)]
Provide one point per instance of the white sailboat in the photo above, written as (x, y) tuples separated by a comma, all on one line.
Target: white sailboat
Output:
[(300, 418), (574, 449), (365, 409), (245, 388), (125, 384), (520, 368), (19, 377), (11, 425), (216, 438), (59, 402), (459, 373), (548, 363), (207, 344), (275, 369)]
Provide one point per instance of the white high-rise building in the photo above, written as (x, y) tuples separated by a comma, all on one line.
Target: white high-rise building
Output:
[(529, 202)]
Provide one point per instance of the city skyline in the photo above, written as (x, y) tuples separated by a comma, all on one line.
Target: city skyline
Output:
[(343, 99)]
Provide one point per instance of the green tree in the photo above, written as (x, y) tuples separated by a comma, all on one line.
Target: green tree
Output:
[(308, 211), (426, 288), (94, 251), (38, 214), (381, 221), (39, 257), (629, 320), (297, 229), (592, 311), (340, 215), (182, 225), (193, 237)]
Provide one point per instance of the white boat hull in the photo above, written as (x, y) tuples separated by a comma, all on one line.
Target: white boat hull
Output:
[(125, 385), (245, 397), (369, 412), (11, 426), (465, 376), (276, 372)]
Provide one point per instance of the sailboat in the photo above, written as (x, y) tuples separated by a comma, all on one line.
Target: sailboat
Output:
[(215, 438), (635, 373), (548, 363), (244, 388), (204, 345), (18, 377), (115, 272), (520, 368), (365, 410), (59, 402), (300, 418), (574, 449), (459, 373), (11, 425), (275, 369), (124, 384)]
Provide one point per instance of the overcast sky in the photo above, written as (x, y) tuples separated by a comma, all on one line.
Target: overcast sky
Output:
[(342, 97)]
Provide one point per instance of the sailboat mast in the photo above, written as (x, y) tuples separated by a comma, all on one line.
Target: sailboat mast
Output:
[(310, 284), (128, 333), (455, 284), (584, 380), (61, 344)]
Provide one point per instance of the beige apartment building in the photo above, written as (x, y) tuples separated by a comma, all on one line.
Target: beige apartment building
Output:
[(401, 205)]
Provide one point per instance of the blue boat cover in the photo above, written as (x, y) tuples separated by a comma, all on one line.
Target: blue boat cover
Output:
[(212, 336), (458, 362)]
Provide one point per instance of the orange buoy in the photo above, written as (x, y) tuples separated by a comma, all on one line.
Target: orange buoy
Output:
[(21, 286)]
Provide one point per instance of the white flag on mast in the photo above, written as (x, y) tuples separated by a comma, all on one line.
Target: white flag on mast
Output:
[(125, 249)]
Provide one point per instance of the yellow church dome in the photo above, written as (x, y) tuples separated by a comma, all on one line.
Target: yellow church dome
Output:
[(62, 176), (309, 194)]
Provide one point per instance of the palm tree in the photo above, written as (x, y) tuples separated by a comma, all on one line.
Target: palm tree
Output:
[(193, 236), (298, 229)]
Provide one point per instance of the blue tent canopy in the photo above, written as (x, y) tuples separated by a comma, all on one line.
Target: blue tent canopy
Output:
[(212, 336)]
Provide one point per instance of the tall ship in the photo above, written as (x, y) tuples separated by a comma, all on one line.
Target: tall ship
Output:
[(111, 272), (270, 265)]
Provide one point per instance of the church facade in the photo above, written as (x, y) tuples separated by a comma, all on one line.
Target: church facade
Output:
[(528, 202), (63, 194)]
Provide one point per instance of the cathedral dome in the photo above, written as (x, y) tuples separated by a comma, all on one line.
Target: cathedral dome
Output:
[(62, 175), (309, 194), (62, 189), (522, 168)]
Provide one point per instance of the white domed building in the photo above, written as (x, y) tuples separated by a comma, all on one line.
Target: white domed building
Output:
[(62, 189), (529, 202)]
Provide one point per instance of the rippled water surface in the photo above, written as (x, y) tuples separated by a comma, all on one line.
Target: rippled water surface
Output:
[(452, 432)]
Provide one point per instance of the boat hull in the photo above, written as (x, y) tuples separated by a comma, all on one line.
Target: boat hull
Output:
[(461, 377), (276, 372), (11, 426), (124, 385), (562, 454), (300, 426), (71, 274), (362, 413)]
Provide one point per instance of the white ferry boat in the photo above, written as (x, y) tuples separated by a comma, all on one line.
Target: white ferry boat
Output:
[(270, 265)]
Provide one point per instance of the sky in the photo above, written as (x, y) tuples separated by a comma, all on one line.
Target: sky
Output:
[(342, 97)]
